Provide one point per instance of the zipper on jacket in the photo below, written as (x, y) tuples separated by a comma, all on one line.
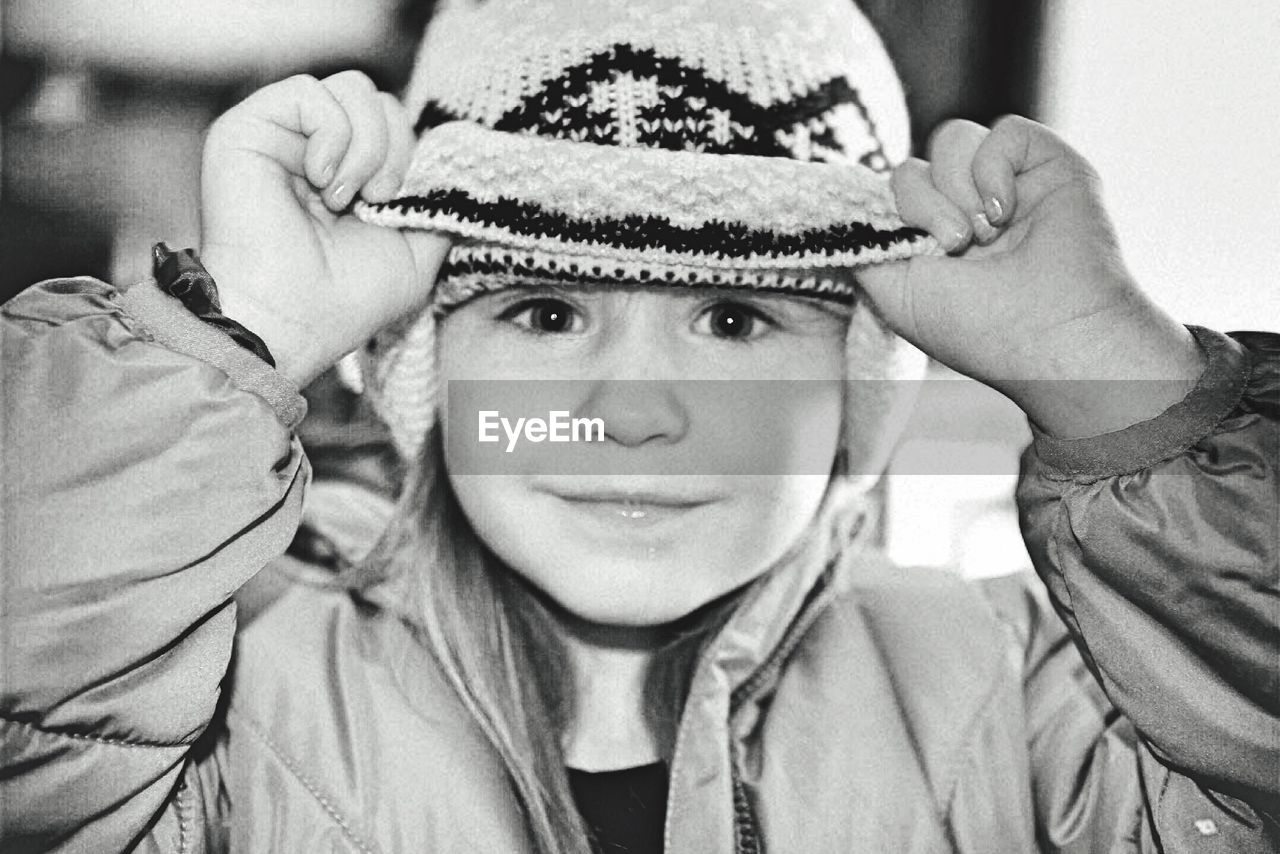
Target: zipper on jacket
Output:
[(746, 830), (746, 836)]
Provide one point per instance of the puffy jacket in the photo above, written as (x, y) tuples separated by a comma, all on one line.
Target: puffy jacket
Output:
[(150, 470)]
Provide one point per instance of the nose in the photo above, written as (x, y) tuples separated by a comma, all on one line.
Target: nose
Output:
[(636, 388), (636, 412)]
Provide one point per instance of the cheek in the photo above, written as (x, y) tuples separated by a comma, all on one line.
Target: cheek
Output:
[(497, 508), (774, 511), (770, 427)]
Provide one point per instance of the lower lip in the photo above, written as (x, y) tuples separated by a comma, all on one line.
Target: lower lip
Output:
[(625, 514)]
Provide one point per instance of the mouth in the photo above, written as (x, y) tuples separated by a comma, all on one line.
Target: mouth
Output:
[(639, 508)]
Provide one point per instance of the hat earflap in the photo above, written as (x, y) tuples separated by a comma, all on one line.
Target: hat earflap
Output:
[(883, 373)]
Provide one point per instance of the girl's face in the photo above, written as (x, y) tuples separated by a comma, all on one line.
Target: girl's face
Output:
[(716, 420)]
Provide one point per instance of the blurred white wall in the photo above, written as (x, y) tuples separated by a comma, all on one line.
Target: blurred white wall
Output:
[(949, 488), (1177, 104)]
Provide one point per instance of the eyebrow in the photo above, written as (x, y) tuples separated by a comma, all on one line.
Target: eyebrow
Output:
[(838, 309), (546, 289)]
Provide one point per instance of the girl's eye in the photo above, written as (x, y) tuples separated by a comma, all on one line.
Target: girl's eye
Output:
[(544, 315), (732, 320)]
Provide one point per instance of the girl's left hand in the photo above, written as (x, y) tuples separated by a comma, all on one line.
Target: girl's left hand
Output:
[(1033, 288)]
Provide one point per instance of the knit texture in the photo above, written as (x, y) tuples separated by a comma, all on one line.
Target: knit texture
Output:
[(712, 143)]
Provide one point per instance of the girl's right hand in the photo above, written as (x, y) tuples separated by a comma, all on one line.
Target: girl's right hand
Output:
[(280, 169)]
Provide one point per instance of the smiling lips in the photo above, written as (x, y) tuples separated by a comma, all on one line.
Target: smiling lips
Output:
[(635, 507)]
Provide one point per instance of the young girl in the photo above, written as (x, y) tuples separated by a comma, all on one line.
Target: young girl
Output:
[(672, 637)]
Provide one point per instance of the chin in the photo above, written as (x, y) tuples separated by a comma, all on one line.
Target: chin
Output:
[(633, 597)]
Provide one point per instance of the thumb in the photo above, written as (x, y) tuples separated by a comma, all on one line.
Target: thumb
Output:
[(429, 249), (886, 286)]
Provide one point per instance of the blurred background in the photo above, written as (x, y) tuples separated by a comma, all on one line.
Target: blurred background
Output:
[(103, 104)]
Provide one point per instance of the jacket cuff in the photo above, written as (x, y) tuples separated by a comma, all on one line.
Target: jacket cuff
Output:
[(1215, 394), (171, 324)]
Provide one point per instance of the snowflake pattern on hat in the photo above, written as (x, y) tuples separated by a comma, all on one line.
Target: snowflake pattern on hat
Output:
[(634, 97)]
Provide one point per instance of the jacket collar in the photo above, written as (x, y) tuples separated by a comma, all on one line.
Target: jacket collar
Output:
[(742, 664)]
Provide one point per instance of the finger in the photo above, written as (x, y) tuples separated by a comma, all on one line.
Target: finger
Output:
[(923, 205), (952, 148), (297, 123), (368, 148), (400, 143), (994, 171), (1017, 146)]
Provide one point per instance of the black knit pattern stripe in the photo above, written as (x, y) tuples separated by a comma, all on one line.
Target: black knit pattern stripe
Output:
[(689, 106), (646, 232), (503, 271)]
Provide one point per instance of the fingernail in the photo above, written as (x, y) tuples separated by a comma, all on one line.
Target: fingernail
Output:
[(339, 195), (327, 175), (956, 240), (995, 210), (983, 231)]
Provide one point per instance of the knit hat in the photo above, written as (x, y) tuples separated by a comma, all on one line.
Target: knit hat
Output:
[(694, 143)]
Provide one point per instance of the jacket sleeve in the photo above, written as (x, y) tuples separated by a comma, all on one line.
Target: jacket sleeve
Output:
[(149, 470), (1159, 546)]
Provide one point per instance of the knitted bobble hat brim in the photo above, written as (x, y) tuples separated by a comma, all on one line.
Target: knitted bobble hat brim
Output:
[(580, 211)]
